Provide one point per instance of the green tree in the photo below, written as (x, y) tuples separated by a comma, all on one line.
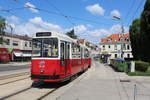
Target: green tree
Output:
[(71, 34), (2, 28), (134, 32), (145, 31)]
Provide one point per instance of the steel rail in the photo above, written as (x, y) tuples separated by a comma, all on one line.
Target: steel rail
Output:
[(13, 75)]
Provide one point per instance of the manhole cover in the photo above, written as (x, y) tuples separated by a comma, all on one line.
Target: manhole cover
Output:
[(124, 80)]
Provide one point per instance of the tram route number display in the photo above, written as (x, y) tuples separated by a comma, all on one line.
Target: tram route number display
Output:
[(39, 34)]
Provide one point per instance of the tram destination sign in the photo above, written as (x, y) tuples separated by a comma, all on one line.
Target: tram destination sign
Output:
[(39, 34)]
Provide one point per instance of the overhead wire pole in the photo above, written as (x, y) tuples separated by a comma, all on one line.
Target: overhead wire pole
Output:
[(122, 32)]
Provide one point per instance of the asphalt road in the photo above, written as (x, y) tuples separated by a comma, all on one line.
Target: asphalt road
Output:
[(9, 67)]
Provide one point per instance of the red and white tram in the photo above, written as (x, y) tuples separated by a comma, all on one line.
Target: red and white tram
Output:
[(57, 57)]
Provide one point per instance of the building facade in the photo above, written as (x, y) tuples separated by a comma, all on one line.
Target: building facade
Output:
[(116, 46), (15, 47)]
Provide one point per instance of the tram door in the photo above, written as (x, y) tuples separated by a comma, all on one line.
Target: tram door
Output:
[(65, 56)]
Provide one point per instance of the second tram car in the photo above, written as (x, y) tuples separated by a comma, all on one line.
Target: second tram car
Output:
[(57, 57)]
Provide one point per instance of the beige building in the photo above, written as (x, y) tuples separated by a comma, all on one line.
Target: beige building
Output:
[(15, 47)]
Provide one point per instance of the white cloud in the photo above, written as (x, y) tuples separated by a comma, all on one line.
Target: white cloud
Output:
[(104, 32), (37, 21), (34, 25), (95, 35), (13, 19), (95, 9), (118, 29), (31, 7), (115, 13), (81, 28), (98, 32)]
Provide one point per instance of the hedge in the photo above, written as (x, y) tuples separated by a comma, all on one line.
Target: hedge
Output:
[(141, 66)]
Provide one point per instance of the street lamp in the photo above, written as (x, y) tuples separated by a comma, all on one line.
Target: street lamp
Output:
[(122, 31)]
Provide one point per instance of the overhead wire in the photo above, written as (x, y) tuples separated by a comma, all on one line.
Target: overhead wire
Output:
[(66, 17), (138, 7), (58, 14), (129, 10)]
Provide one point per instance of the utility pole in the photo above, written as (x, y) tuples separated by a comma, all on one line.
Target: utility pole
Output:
[(122, 32)]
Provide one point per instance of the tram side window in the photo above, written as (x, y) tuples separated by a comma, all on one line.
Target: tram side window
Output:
[(62, 55), (86, 53), (76, 52)]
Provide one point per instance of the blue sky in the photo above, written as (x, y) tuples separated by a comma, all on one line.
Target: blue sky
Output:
[(96, 16)]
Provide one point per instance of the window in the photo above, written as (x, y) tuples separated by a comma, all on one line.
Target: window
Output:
[(124, 46), (45, 47), (121, 55), (115, 47), (103, 47), (128, 55), (128, 47), (15, 43), (121, 39), (86, 53), (26, 44), (30, 44), (7, 41), (76, 50), (115, 55), (127, 39), (109, 40), (62, 51), (109, 46)]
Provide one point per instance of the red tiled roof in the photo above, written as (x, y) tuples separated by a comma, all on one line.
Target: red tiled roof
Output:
[(115, 37), (81, 40)]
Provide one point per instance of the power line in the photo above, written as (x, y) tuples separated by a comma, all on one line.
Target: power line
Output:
[(58, 14), (130, 8), (72, 23), (138, 7)]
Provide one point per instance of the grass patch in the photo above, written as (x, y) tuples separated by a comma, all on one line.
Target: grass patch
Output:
[(137, 73)]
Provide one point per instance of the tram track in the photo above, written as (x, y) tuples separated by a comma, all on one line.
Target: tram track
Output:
[(46, 94), (18, 92), (5, 83), (12, 78), (34, 88), (27, 89), (13, 75)]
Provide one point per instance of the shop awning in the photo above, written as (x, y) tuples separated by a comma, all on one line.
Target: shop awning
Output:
[(18, 54), (27, 55), (22, 54)]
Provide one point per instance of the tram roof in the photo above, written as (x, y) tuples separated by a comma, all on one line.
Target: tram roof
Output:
[(59, 35)]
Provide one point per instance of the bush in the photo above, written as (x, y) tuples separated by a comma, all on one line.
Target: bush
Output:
[(141, 66), (121, 66)]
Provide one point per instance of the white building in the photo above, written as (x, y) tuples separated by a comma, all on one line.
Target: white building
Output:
[(116, 46)]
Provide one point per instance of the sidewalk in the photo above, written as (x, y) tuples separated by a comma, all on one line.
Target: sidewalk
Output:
[(15, 63), (102, 84)]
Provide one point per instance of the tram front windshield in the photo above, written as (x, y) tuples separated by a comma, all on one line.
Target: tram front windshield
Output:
[(45, 47)]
